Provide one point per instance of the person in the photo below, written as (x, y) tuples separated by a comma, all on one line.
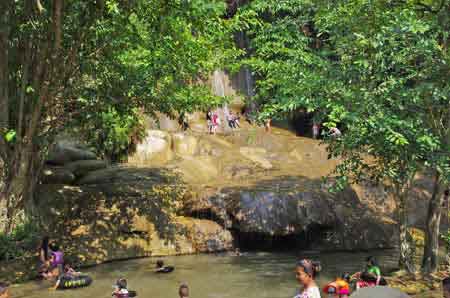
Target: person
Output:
[(315, 130), (4, 291), (371, 276), (267, 125), (305, 273), (52, 274), (209, 121), (183, 291), (121, 290), (230, 119), (56, 256), (335, 132), (160, 268), (446, 287), (340, 287), (236, 119), (215, 122), (44, 255)]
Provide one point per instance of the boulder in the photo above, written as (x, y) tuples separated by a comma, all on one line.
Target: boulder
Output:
[(65, 152), (82, 167), (57, 175), (125, 174), (297, 206), (184, 145), (154, 149), (125, 218)]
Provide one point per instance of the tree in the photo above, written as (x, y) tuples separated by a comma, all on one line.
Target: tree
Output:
[(63, 63), (376, 67)]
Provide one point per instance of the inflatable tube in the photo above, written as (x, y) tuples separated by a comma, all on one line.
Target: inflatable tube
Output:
[(330, 288), (75, 282), (132, 294), (165, 269), (371, 278)]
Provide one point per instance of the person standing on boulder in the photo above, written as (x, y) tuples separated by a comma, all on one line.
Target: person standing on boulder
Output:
[(305, 273)]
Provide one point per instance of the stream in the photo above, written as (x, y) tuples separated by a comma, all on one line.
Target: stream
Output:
[(252, 275)]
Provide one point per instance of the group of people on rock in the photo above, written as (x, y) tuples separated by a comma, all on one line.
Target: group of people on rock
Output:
[(306, 271), (213, 120)]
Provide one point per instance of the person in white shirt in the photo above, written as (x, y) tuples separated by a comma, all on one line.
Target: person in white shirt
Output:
[(305, 273)]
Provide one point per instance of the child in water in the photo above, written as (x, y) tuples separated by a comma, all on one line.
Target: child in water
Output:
[(121, 290), (183, 291), (339, 288), (4, 292), (305, 273)]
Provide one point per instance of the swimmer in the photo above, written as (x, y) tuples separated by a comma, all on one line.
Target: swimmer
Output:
[(121, 290), (183, 291), (305, 273), (160, 268)]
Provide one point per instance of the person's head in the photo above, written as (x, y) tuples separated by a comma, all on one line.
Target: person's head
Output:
[(159, 263), (121, 283), (4, 292), (446, 287), (54, 246), (183, 291), (305, 271), (371, 261), (346, 276)]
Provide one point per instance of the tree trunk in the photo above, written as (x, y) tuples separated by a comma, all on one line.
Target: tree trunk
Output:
[(430, 260), (407, 246), (17, 193)]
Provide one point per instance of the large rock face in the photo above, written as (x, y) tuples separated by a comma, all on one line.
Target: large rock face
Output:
[(297, 207), (108, 217)]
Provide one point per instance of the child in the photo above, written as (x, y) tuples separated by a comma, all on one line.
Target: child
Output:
[(339, 288), (121, 290), (56, 256), (446, 287), (4, 292), (183, 291), (305, 273)]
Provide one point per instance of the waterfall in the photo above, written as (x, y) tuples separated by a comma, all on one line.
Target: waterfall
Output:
[(218, 85)]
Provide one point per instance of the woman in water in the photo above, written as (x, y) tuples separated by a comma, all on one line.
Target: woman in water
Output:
[(371, 276), (305, 273)]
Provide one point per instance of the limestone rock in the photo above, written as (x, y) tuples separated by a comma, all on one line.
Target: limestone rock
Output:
[(155, 148), (117, 174), (57, 175), (294, 206), (82, 167), (185, 145)]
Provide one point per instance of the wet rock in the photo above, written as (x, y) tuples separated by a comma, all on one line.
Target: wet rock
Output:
[(257, 155), (82, 167), (57, 175)]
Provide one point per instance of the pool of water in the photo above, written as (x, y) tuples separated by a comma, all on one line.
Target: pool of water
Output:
[(253, 275)]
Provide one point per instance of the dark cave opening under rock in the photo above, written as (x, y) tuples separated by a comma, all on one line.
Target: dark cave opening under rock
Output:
[(315, 236)]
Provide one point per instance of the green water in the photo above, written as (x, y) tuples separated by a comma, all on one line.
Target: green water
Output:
[(253, 275)]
